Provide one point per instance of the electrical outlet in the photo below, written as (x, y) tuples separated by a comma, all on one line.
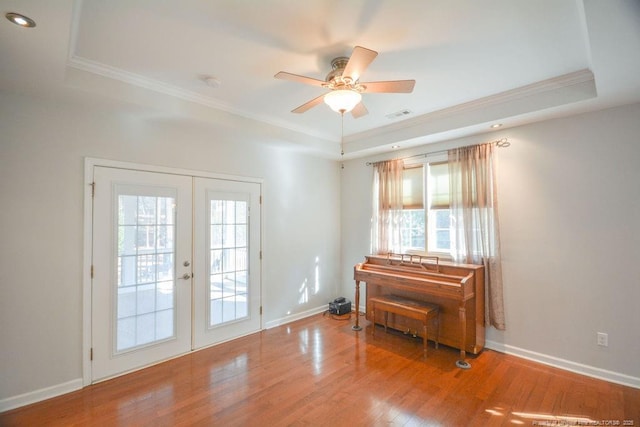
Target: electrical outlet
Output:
[(603, 339)]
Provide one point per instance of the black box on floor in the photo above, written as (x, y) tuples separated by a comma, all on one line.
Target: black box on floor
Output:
[(340, 306)]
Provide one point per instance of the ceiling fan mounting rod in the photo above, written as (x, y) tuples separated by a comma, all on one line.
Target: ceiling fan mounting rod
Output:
[(338, 65)]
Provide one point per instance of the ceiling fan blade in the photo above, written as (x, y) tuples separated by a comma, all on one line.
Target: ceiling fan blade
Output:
[(300, 79), (392, 86), (358, 62), (359, 110), (308, 105)]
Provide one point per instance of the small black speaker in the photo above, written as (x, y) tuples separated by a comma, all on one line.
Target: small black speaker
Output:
[(340, 306)]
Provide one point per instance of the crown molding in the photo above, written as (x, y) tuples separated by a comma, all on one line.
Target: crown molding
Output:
[(144, 82), (100, 69), (553, 92)]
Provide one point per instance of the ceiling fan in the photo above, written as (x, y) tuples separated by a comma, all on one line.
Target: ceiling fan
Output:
[(344, 84)]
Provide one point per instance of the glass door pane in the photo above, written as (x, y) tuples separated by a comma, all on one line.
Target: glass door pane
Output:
[(228, 259), (146, 265)]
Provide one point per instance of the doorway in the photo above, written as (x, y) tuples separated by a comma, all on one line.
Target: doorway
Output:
[(175, 263)]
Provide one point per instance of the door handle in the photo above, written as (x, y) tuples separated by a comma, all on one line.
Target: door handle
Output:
[(186, 276)]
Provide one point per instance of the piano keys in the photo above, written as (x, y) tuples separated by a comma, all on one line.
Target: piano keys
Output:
[(458, 289)]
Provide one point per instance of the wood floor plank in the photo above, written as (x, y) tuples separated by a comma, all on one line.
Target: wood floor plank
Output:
[(317, 371)]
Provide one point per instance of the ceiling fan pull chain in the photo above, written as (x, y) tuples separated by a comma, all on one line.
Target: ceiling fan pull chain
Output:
[(342, 132)]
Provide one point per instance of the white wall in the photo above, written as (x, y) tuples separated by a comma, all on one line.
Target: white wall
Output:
[(570, 231), (43, 145), (570, 203)]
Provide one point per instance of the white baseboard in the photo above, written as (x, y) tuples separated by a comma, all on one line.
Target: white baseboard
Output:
[(567, 365), (293, 317), (39, 395)]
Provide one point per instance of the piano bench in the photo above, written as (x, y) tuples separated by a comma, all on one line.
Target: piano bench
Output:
[(406, 307)]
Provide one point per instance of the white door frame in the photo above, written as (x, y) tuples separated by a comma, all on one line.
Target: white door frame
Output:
[(89, 165)]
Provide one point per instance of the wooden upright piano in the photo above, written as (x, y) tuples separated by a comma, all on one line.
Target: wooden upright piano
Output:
[(458, 289)]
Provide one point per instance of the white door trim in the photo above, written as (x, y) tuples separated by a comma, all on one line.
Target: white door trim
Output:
[(89, 164)]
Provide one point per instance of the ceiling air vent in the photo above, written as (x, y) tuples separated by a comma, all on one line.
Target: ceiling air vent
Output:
[(398, 114)]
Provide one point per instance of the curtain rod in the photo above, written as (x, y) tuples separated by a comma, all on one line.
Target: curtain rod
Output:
[(503, 143)]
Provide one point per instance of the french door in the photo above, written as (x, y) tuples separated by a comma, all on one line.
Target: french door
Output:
[(225, 305), (176, 266)]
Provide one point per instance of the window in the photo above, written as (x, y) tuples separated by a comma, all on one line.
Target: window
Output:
[(412, 219), (439, 215), (426, 229)]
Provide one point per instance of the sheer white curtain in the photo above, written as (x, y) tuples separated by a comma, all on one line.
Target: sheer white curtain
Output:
[(474, 211), (387, 206)]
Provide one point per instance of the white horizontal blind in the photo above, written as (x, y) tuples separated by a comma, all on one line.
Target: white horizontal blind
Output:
[(413, 187), (438, 181)]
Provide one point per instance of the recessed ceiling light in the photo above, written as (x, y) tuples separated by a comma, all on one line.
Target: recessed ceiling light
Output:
[(21, 20), (496, 125), (393, 147)]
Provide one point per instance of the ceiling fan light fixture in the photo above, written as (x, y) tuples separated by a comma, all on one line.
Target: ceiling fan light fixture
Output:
[(342, 100)]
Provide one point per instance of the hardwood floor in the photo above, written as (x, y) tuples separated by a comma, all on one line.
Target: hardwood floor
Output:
[(317, 371)]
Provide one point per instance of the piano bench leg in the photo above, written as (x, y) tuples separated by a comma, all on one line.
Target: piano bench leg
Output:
[(425, 340), (373, 318), (437, 328), (435, 315), (386, 320), (431, 315)]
